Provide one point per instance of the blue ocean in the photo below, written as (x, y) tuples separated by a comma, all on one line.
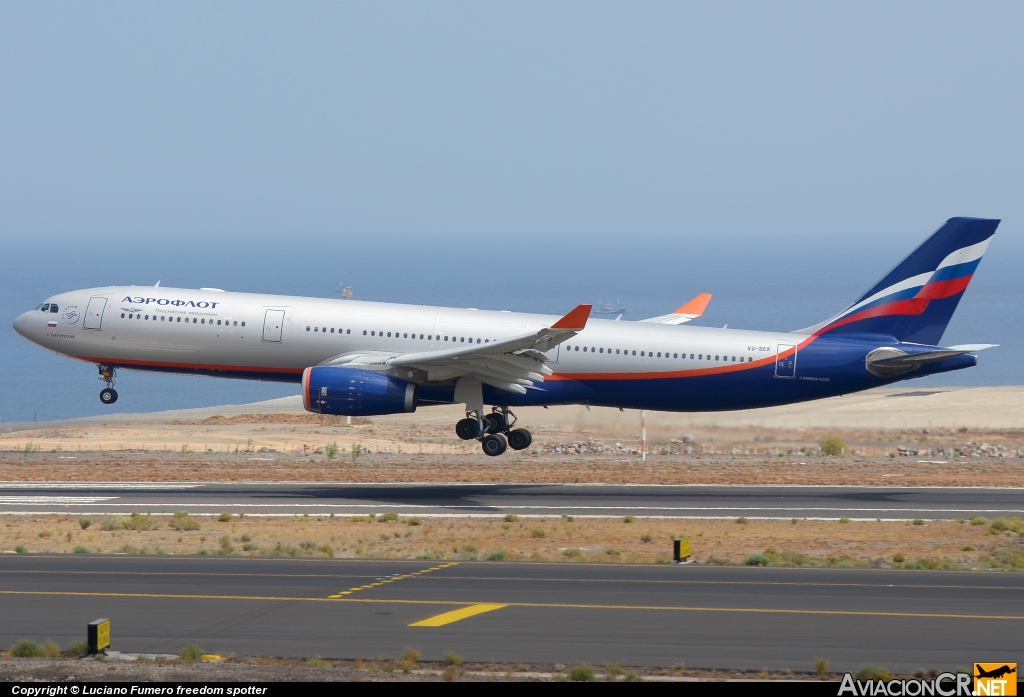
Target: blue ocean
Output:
[(764, 285)]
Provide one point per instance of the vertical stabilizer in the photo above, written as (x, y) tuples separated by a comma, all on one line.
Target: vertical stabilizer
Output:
[(916, 299)]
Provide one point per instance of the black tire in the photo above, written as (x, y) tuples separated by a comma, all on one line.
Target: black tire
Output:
[(495, 422), (467, 429), (520, 439), (108, 396), (494, 444)]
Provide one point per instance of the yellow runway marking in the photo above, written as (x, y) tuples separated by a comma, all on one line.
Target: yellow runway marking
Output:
[(681, 582), (456, 615), (396, 577), (574, 606)]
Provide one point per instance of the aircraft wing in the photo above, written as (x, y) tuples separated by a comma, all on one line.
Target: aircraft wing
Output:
[(512, 364), (692, 309)]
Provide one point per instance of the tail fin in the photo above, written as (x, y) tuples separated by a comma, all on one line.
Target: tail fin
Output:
[(915, 301)]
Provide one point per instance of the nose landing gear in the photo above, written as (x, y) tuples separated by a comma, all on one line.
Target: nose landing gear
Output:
[(108, 395), (494, 431)]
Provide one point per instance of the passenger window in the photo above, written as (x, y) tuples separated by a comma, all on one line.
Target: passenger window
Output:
[(446, 337), (373, 333), (389, 335), (364, 332), (584, 349), (122, 315), (130, 316), (641, 353), (634, 353), (716, 358), (700, 356), (577, 348), (592, 349), (478, 341), (616, 352), (659, 354), (162, 318), (243, 324), (179, 320), (463, 339), (601, 351), (421, 336), (675, 355), (348, 331), (316, 329)]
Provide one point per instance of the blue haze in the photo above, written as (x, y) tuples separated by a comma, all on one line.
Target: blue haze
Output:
[(523, 156)]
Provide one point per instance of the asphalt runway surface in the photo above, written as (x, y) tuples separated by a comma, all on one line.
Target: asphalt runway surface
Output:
[(703, 617), (325, 498)]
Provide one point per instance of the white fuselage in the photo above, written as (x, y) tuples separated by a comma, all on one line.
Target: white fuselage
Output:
[(276, 337)]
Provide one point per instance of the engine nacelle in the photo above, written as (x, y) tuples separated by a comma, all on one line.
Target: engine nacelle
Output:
[(354, 392)]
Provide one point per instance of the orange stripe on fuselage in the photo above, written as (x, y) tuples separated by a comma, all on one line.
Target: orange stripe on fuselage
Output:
[(189, 366)]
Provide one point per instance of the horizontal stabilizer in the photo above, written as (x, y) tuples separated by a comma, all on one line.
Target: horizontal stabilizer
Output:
[(694, 308), (888, 362)]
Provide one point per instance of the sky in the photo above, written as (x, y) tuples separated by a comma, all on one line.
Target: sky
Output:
[(518, 156)]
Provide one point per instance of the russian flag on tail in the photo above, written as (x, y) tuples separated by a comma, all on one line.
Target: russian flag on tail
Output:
[(916, 299)]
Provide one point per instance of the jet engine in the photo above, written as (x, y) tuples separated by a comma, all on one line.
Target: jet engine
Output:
[(354, 392)]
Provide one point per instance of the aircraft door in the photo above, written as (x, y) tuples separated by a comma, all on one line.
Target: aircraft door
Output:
[(94, 314), (785, 361), (273, 324)]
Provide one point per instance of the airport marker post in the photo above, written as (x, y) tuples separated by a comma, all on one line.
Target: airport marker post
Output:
[(99, 636), (681, 550)]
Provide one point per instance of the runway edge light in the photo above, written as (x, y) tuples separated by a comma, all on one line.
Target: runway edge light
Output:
[(99, 636), (681, 550)]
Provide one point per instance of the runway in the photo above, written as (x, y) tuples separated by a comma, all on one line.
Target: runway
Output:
[(703, 617), (342, 499)]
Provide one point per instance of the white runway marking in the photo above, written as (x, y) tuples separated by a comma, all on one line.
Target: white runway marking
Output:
[(50, 500), (96, 485), (184, 505)]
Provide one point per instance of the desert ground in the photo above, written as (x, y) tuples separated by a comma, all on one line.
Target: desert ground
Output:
[(893, 436)]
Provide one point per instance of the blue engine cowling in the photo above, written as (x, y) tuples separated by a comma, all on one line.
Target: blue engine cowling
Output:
[(353, 392)]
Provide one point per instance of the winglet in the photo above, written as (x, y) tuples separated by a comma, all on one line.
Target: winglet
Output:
[(696, 306), (576, 319)]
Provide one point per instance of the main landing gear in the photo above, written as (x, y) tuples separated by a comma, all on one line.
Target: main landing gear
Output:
[(108, 395), (494, 431)]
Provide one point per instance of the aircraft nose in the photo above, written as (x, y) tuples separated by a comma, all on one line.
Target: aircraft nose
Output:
[(21, 324)]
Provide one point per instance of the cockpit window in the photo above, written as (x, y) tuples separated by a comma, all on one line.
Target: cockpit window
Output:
[(45, 308), (53, 307)]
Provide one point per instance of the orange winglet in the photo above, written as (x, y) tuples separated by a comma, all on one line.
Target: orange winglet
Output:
[(576, 319), (695, 306)]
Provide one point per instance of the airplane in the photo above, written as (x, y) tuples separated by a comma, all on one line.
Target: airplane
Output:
[(361, 358)]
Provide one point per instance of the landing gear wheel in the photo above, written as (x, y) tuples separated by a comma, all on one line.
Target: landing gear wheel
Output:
[(520, 439), (108, 396), (467, 429), (494, 444), (496, 422)]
